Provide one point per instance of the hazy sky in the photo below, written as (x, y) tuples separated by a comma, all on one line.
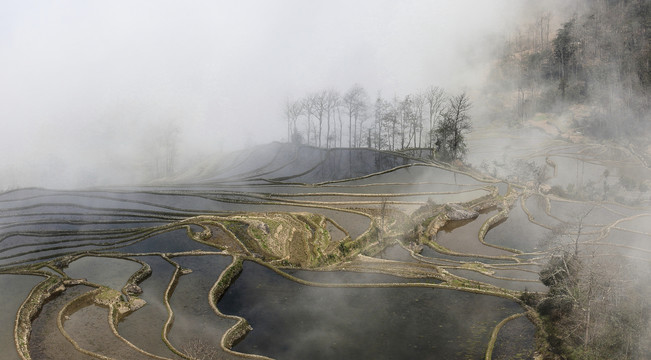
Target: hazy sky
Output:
[(85, 85)]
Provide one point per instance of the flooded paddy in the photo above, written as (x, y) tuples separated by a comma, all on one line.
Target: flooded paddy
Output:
[(367, 253), (628, 241), (462, 237), (396, 252), (195, 320), (514, 340), (110, 272), (347, 277), (328, 323), (166, 242), (46, 341), (143, 328), (504, 280), (517, 232), (20, 286), (535, 206), (430, 254), (89, 327)]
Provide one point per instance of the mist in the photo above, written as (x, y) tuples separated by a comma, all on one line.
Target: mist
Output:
[(497, 169), (86, 88)]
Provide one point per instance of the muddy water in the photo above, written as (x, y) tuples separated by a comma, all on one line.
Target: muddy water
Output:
[(462, 237), (490, 146), (171, 241), (432, 255), (575, 171), (394, 323), (349, 277), (456, 197), (194, 318), (111, 272), (396, 252), (517, 232), (46, 341), (143, 327), (515, 340), (507, 284), (20, 286), (292, 321), (89, 327), (637, 241), (439, 196), (536, 205), (640, 224)]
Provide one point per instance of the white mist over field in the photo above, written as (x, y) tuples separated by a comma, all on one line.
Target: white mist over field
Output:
[(96, 93)]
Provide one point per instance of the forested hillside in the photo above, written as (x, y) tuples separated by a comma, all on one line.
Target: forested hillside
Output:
[(587, 73), (594, 67)]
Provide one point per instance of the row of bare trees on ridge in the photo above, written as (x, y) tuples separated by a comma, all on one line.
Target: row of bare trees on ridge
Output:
[(427, 119)]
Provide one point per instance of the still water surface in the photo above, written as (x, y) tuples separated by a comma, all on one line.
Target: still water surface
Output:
[(293, 321)]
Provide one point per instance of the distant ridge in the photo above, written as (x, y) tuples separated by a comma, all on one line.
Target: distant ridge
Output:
[(291, 163)]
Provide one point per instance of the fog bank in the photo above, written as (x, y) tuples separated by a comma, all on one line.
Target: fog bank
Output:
[(89, 89)]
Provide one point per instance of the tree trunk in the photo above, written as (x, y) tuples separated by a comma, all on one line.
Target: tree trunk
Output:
[(320, 128), (354, 135), (328, 131), (350, 125)]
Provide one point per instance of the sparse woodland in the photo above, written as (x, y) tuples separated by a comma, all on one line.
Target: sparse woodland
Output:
[(597, 306), (429, 119), (595, 67), (373, 232)]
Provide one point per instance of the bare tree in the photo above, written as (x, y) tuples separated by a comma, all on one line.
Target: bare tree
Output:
[(399, 123), (319, 103), (384, 120), (341, 125), (418, 106), (594, 302), (409, 112), (308, 110), (164, 143), (361, 130), (331, 102), (565, 48), (319, 106), (435, 100), (293, 110), (392, 121), (354, 103), (404, 118), (543, 28), (451, 130)]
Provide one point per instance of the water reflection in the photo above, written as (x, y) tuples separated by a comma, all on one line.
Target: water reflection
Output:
[(292, 321)]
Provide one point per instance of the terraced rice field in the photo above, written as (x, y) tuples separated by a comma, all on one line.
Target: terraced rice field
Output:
[(292, 253)]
